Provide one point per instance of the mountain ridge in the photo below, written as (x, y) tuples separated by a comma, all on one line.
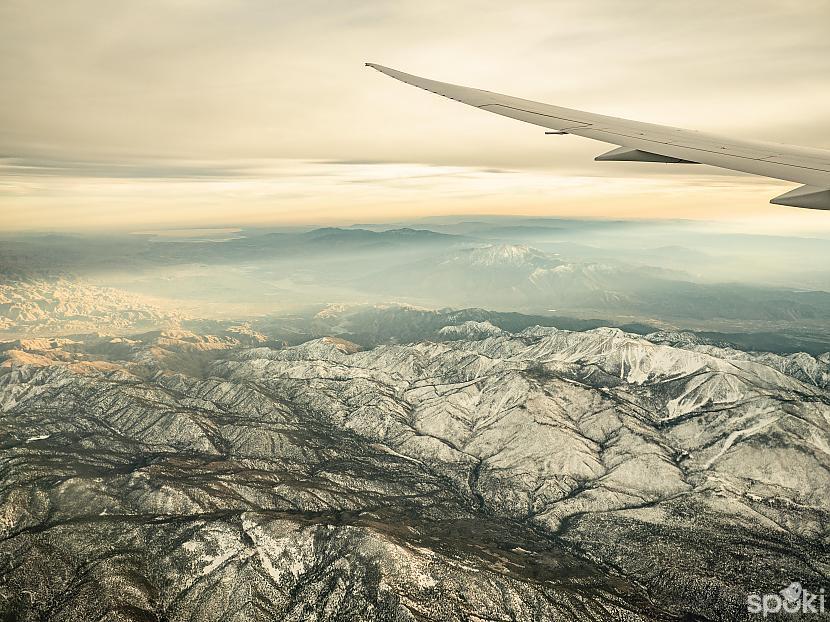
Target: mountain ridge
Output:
[(543, 472)]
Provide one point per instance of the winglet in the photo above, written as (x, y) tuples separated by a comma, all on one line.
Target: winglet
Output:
[(805, 196)]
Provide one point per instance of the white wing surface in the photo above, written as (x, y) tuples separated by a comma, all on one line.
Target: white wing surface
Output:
[(647, 142)]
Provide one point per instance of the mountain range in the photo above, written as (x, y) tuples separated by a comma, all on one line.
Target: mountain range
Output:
[(483, 474), (626, 273)]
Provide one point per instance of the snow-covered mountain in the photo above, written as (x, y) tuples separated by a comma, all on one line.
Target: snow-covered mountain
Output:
[(810, 369), (471, 329), (517, 277), (542, 474), (503, 255), (514, 274), (63, 305)]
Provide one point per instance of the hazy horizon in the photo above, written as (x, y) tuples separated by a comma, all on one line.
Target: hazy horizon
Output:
[(773, 290)]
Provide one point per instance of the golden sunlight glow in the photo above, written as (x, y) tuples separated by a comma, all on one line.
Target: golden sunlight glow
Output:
[(121, 115)]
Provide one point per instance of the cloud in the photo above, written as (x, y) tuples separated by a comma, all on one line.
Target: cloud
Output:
[(219, 89), (18, 167)]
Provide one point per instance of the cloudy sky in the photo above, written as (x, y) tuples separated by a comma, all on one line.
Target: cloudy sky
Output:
[(234, 112)]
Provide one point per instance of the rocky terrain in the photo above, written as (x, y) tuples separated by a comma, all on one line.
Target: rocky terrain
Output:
[(484, 474), (47, 305)]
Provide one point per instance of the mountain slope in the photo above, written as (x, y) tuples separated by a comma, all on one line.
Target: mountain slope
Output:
[(538, 475)]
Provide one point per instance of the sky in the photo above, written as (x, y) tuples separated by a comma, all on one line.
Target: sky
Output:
[(200, 113)]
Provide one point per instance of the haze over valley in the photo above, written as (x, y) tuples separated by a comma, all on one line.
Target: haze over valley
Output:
[(768, 292)]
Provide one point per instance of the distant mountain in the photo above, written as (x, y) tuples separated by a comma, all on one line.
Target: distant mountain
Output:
[(504, 256), (336, 235), (61, 254), (511, 276), (329, 240), (628, 273), (371, 325), (522, 278)]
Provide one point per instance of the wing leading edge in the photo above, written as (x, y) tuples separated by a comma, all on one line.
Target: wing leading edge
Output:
[(647, 142)]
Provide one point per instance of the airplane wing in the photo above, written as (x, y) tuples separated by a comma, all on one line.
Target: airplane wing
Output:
[(647, 142)]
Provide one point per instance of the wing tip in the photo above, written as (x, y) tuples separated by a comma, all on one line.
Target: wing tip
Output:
[(809, 197), (387, 71)]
